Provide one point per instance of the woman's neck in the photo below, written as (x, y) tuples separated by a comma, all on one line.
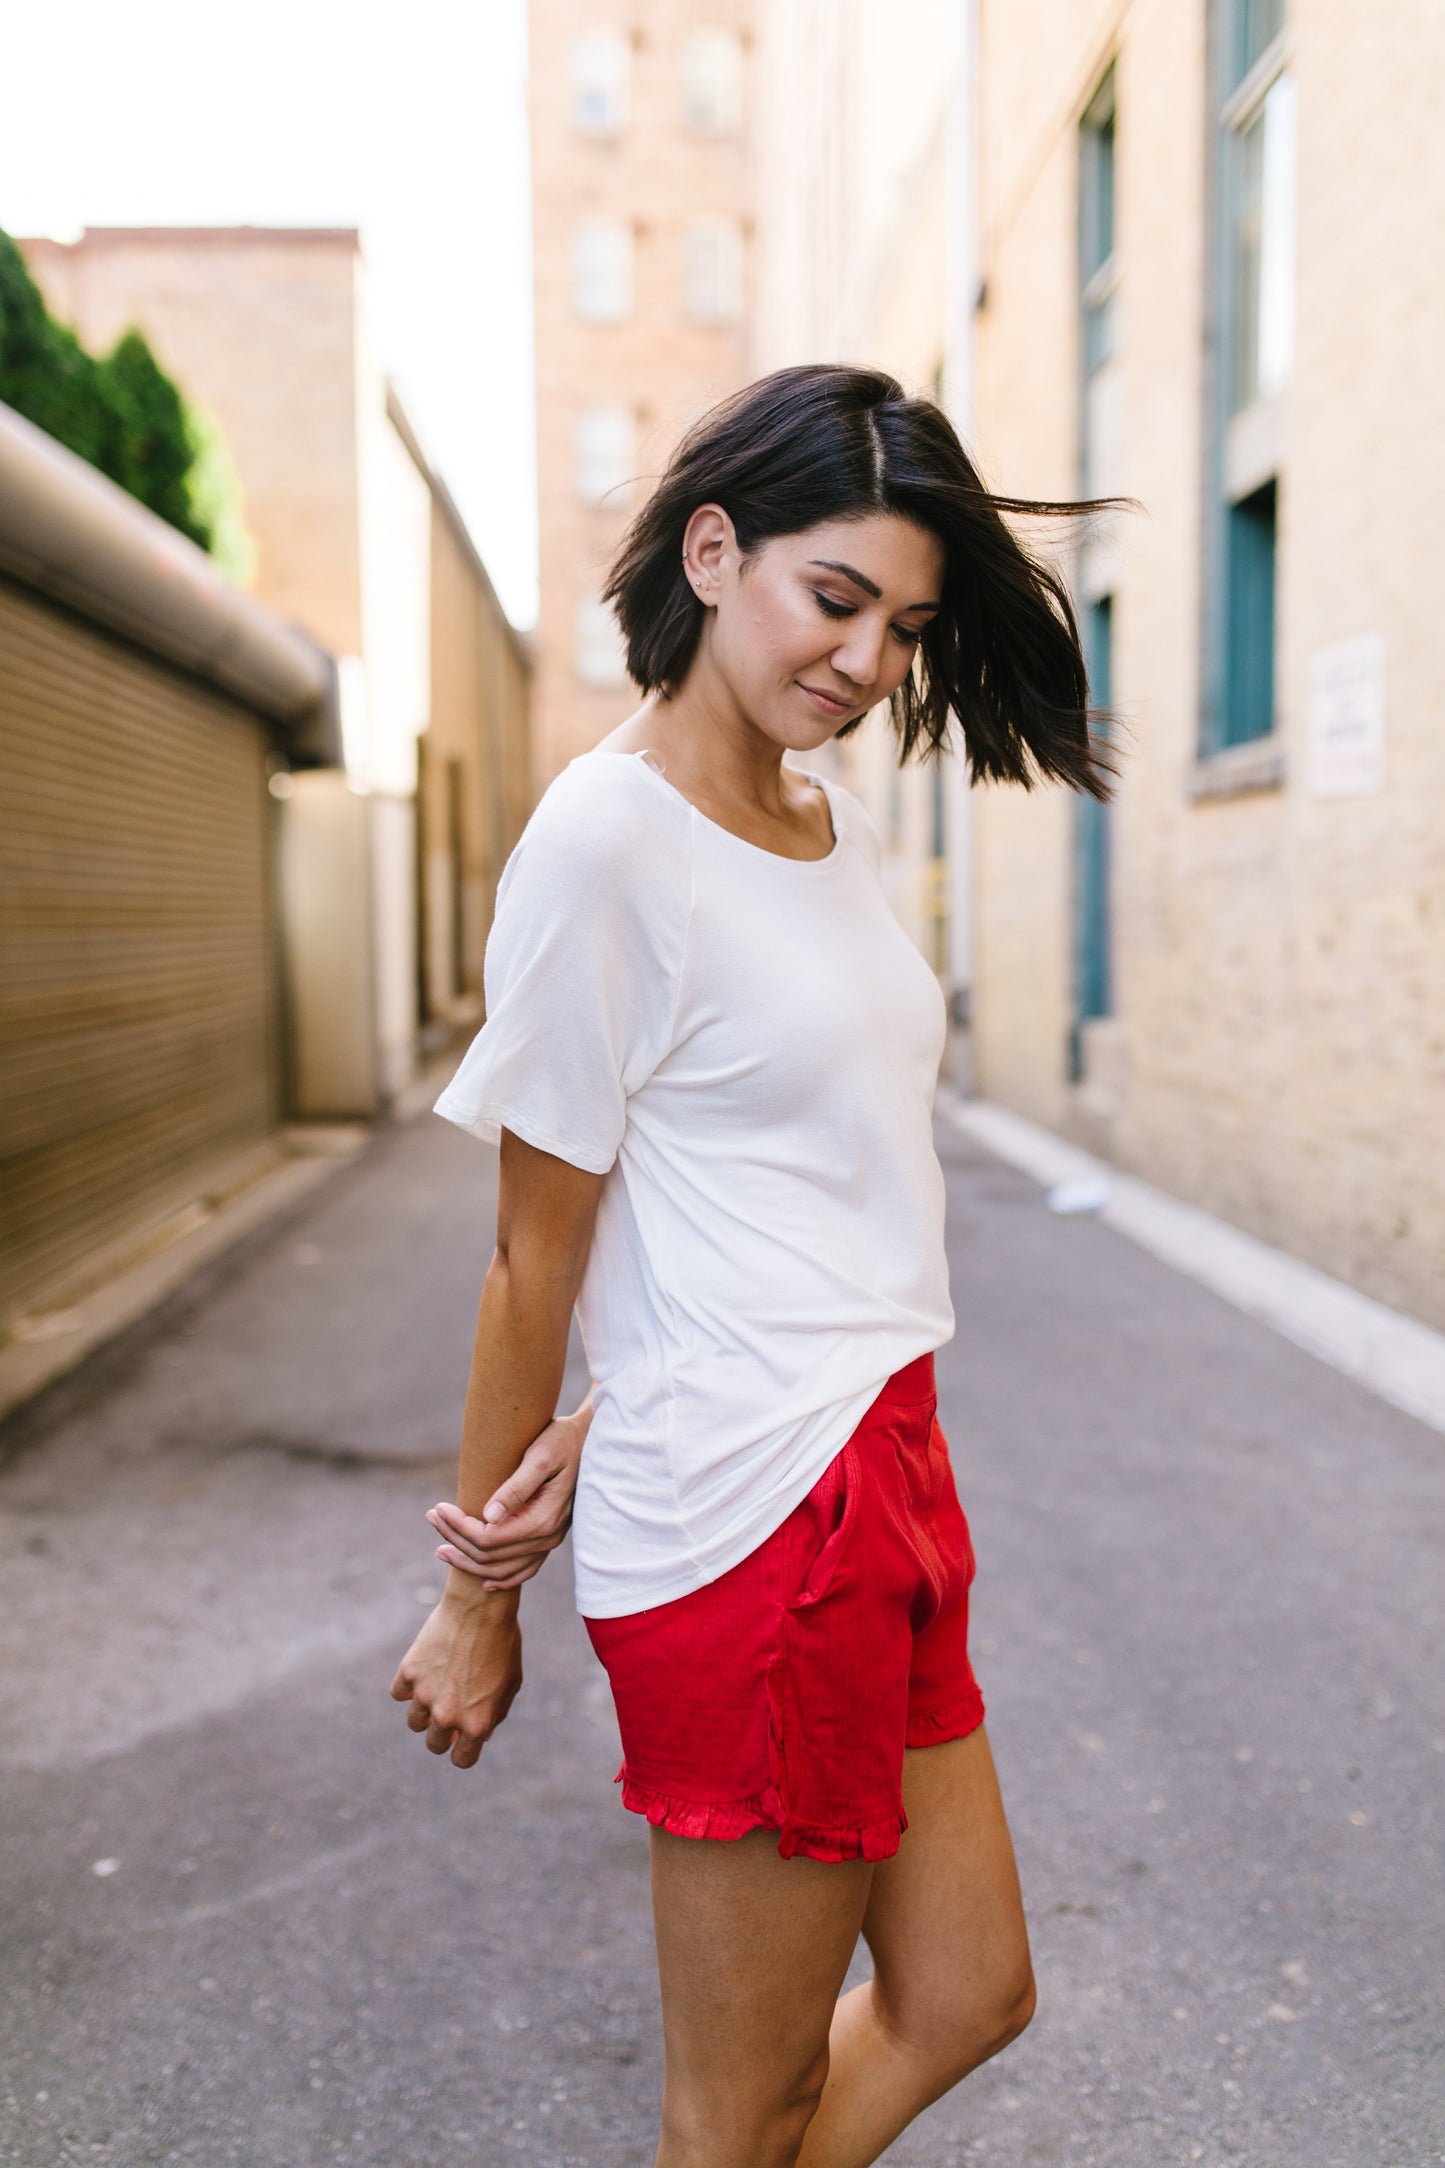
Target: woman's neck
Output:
[(729, 769)]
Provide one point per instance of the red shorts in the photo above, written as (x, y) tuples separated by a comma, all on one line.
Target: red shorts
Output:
[(782, 1695)]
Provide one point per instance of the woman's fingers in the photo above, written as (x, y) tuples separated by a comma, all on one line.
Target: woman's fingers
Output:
[(490, 1574), (544, 1520), (513, 1540), (537, 1466)]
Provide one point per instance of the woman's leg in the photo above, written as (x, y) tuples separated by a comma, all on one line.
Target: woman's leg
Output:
[(751, 1950), (952, 1982)]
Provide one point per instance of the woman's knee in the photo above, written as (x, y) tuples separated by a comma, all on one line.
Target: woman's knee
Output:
[(953, 2032), (1016, 2014)]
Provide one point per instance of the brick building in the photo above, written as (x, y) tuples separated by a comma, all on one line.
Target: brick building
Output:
[(387, 870), (641, 124)]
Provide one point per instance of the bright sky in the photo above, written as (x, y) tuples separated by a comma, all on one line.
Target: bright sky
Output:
[(409, 123)]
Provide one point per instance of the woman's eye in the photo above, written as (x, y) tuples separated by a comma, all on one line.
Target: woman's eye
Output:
[(831, 608), (907, 635)]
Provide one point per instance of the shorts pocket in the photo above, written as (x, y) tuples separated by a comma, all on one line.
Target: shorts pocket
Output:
[(823, 1570), (954, 1534)]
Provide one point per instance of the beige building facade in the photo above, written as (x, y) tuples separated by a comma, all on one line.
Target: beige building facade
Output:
[(1234, 982), (642, 116), (387, 868)]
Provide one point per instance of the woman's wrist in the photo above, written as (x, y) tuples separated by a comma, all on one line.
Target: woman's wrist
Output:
[(464, 1592)]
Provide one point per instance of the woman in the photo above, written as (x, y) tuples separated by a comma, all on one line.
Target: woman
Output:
[(709, 1057)]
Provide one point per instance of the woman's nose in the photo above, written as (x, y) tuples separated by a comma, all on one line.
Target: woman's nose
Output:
[(858, 657)]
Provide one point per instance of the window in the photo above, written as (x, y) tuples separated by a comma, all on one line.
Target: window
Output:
[(1253, 27), (1249, 618), (600, 656), (1100, 432), (1253, 357), (605, 447), (1093, 960), (602, 270), (1097, 295), (1261, 300), (714, 270), (712, 82), (599, 83)]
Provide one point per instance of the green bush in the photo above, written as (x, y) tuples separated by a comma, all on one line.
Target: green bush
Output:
[(216, 502), (45, 372), (122, 413)]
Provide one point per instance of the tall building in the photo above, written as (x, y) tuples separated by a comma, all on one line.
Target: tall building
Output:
[(641, 133), (1233, 979)]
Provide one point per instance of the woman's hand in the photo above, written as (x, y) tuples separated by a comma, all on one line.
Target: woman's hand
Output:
[(463, 1672), (525, 1518)]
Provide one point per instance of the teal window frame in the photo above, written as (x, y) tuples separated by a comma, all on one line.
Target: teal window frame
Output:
[(1093, 959), (1249, 575), (1097, 132), (1251, 27), (1238, 701), (1091, 964)]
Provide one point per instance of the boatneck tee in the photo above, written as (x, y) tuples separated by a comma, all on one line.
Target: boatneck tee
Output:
[(746, 1046)]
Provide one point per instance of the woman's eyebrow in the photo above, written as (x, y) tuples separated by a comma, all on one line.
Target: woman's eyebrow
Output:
[(861, 579)]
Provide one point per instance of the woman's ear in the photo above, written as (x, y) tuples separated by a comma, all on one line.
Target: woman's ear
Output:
[(708, 546)]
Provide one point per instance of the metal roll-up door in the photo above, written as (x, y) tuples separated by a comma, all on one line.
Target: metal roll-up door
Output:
[(138, 1028)]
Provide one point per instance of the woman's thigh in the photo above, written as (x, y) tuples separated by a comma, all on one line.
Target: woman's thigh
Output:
[(751, 1950), (945, 1919)]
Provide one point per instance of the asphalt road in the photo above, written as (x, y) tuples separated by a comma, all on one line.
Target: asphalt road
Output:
[(246, 1918)]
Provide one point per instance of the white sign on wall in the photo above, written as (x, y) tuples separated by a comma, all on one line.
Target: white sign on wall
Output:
[(1347, 718)]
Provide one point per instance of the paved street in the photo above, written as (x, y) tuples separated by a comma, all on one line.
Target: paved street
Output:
[(245, 1918)]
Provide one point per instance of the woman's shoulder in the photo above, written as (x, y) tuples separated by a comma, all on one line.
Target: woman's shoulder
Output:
[(602, 813), (857, 821)]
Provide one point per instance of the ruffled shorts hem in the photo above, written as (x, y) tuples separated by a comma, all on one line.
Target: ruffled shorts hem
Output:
[(938, 1726), (736, 1818)]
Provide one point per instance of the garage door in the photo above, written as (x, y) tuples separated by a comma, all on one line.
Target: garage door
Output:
[(138, 1020)]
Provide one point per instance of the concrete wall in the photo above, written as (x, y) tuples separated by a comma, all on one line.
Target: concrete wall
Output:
[(1277, 1054), (477, 669)]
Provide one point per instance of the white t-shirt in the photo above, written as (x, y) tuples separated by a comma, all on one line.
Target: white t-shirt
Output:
[(747, 1046)]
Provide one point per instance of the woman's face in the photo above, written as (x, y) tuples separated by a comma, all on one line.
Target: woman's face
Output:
[(815, 628)]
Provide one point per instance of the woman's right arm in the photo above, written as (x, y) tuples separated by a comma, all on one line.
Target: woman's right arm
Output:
[(462, 1672)]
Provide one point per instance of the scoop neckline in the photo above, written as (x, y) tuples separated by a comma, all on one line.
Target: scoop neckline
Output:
[(759, 850)]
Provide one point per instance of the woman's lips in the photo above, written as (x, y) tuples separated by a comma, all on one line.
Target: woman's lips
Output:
[(825, 702)]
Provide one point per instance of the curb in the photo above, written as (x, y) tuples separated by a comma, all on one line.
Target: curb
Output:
[(1392, 1355)]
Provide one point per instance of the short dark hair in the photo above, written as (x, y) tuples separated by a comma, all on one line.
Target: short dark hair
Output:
[(824, 442)]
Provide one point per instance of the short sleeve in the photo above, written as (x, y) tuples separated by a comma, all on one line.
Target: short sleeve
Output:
[(581, 971)]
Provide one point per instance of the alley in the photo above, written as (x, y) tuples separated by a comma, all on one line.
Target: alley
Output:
[(246, 1919)]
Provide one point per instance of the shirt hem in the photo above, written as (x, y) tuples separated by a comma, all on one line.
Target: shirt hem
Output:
[(701, 1572)]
